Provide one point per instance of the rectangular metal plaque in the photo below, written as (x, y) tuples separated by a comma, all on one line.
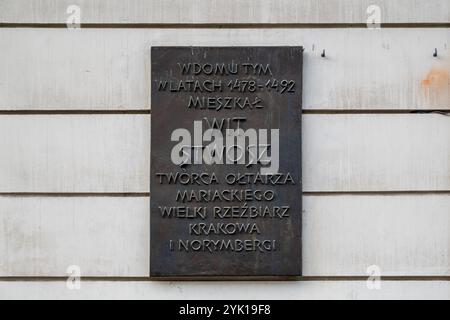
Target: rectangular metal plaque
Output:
[(226, 162)]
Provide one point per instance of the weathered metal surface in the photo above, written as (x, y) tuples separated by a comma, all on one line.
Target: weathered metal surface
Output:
[(228, 218)]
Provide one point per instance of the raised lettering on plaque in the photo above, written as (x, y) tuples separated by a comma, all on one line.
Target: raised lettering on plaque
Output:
[(226, 162)]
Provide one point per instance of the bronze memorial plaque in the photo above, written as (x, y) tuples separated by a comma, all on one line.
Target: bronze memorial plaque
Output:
[(226, 184)]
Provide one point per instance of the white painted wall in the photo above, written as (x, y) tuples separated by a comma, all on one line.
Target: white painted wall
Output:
[(363, 69), (232, 290), (74, 187), (225, 12), (405, 235)]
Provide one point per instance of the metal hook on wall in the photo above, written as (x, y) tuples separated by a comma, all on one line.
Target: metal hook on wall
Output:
[(435, 52), (323, 54)]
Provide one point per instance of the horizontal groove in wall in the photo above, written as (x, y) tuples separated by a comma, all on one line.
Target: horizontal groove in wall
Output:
[(148, 111), (147, 194), (74, 112), (223, 25), (232, 278), (368, 193), (375, 111)]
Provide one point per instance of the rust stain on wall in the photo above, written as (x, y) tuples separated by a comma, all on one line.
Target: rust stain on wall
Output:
[(436, 81)]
